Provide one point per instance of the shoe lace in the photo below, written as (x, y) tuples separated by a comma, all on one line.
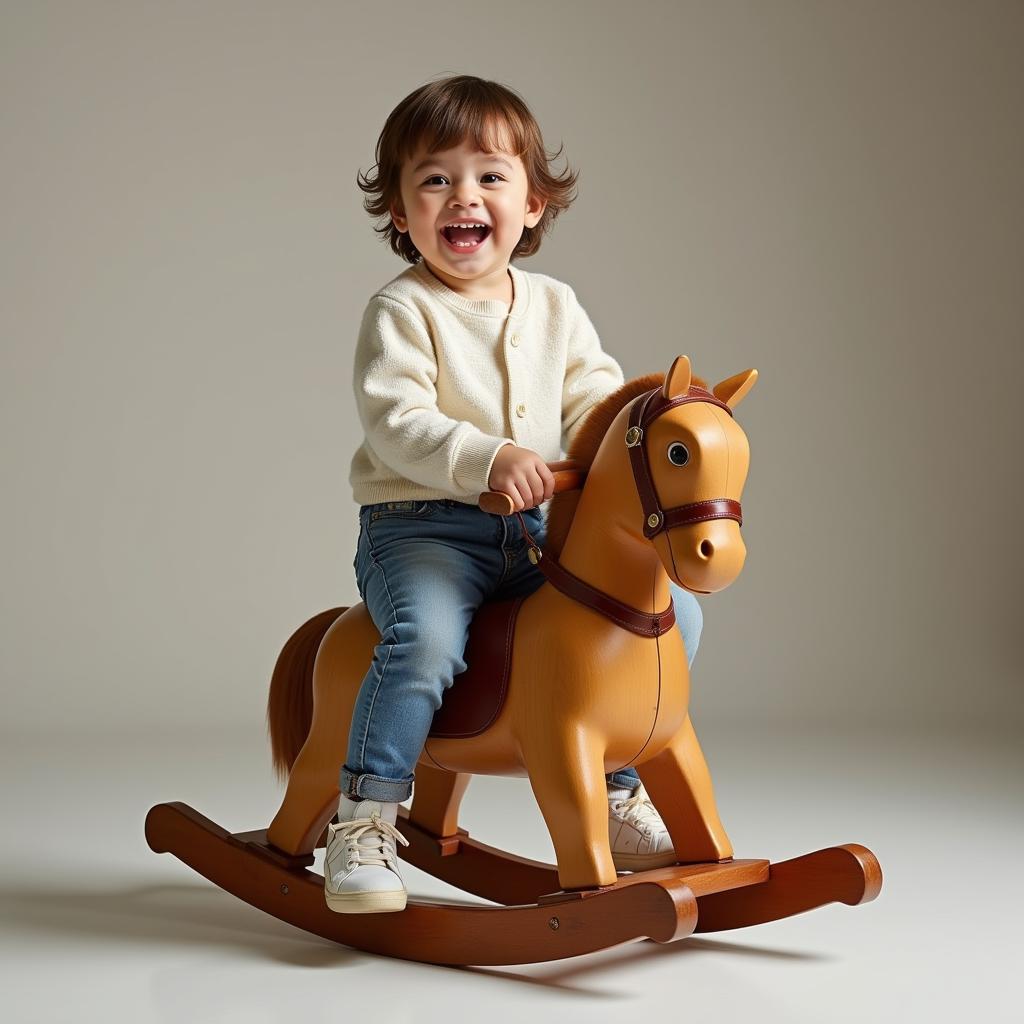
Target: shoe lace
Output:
[(638, 810), (353, 830)]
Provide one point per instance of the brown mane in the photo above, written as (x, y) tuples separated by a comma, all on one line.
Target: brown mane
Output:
[(584, 447)]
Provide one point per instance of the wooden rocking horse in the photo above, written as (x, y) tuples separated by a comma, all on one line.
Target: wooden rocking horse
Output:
[(583, 677)]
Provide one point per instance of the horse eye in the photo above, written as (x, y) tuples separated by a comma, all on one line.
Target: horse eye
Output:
[(677, 454)]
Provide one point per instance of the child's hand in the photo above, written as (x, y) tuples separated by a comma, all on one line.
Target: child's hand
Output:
[(523, 475)]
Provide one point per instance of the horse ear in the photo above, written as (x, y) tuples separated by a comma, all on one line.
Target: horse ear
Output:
[(734, 390), (677, 380)]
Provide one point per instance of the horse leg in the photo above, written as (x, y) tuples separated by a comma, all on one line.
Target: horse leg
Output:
[(436, 796), (567, 775), (311, 797), (678, 782)]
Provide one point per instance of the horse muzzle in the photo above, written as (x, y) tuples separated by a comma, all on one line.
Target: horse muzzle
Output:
[(704, 557)]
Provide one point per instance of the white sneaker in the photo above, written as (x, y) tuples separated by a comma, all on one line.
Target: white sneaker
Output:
[(361, 861), (639, 839)]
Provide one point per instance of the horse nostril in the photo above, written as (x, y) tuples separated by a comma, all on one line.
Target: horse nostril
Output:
[(707, 549)]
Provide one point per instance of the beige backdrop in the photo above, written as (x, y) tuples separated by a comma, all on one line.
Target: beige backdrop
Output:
[(829, 192)]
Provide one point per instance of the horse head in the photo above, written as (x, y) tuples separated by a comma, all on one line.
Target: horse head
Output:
[(690, 459)]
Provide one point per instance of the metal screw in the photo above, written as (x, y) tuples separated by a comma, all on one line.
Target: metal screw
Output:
[(284, 889), (553, 924), (653, 519)]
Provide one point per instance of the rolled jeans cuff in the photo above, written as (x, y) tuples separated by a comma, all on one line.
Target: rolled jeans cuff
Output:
[(627, 778), (373, 787)]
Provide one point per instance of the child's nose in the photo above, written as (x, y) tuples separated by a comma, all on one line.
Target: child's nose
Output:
[(466, 195)]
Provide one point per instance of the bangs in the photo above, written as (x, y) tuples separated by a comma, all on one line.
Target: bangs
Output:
[(489, 128)]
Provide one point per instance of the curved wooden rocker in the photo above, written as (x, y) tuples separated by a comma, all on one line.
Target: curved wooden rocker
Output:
[(585, 676)]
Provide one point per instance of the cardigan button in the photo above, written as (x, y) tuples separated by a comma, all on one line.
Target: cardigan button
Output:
[(520, 409), (515, 340)]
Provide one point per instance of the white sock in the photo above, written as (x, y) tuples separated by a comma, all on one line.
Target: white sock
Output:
[(618, 792), (348, 809)]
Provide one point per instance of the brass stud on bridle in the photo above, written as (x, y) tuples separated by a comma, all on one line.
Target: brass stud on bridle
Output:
[(653, 519), (633, 437)]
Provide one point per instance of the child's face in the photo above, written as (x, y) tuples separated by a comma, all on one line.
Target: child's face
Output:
[(466, 184)]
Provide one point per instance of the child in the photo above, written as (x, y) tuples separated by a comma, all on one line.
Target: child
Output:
[(468, 374)]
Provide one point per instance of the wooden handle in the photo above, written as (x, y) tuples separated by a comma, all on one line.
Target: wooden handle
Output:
[(569, 476)]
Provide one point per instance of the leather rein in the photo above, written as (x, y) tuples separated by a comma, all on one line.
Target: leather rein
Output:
[(644, 410)]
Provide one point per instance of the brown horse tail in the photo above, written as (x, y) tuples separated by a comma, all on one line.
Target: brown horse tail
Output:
[(290, 705)]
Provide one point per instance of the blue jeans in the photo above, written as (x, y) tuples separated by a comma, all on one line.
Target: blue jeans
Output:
[(423, 568)]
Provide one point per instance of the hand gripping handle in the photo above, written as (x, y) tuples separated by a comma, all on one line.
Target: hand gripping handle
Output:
[(569, 476)]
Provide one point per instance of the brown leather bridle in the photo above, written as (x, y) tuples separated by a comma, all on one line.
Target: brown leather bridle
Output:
[(646, 408)]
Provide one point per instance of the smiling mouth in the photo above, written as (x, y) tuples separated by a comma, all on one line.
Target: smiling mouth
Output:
[(464, 239)]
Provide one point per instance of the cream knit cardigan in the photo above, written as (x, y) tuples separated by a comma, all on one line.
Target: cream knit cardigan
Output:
[(442, 382)]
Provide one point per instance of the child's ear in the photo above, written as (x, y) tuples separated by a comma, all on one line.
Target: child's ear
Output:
[(534, 211), (399, 220)]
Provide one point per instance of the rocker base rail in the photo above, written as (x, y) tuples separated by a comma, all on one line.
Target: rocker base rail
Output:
[(430, 932), (538, 922)]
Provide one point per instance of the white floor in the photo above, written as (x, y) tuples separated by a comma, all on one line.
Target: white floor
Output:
[(96, 927)]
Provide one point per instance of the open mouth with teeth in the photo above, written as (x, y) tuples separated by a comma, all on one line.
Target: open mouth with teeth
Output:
[(465, 237)]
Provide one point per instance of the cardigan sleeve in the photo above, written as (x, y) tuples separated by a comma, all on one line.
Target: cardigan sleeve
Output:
[(394, 382), (591, 374)]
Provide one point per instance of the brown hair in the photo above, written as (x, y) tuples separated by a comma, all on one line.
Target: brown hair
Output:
[(445, 113)]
